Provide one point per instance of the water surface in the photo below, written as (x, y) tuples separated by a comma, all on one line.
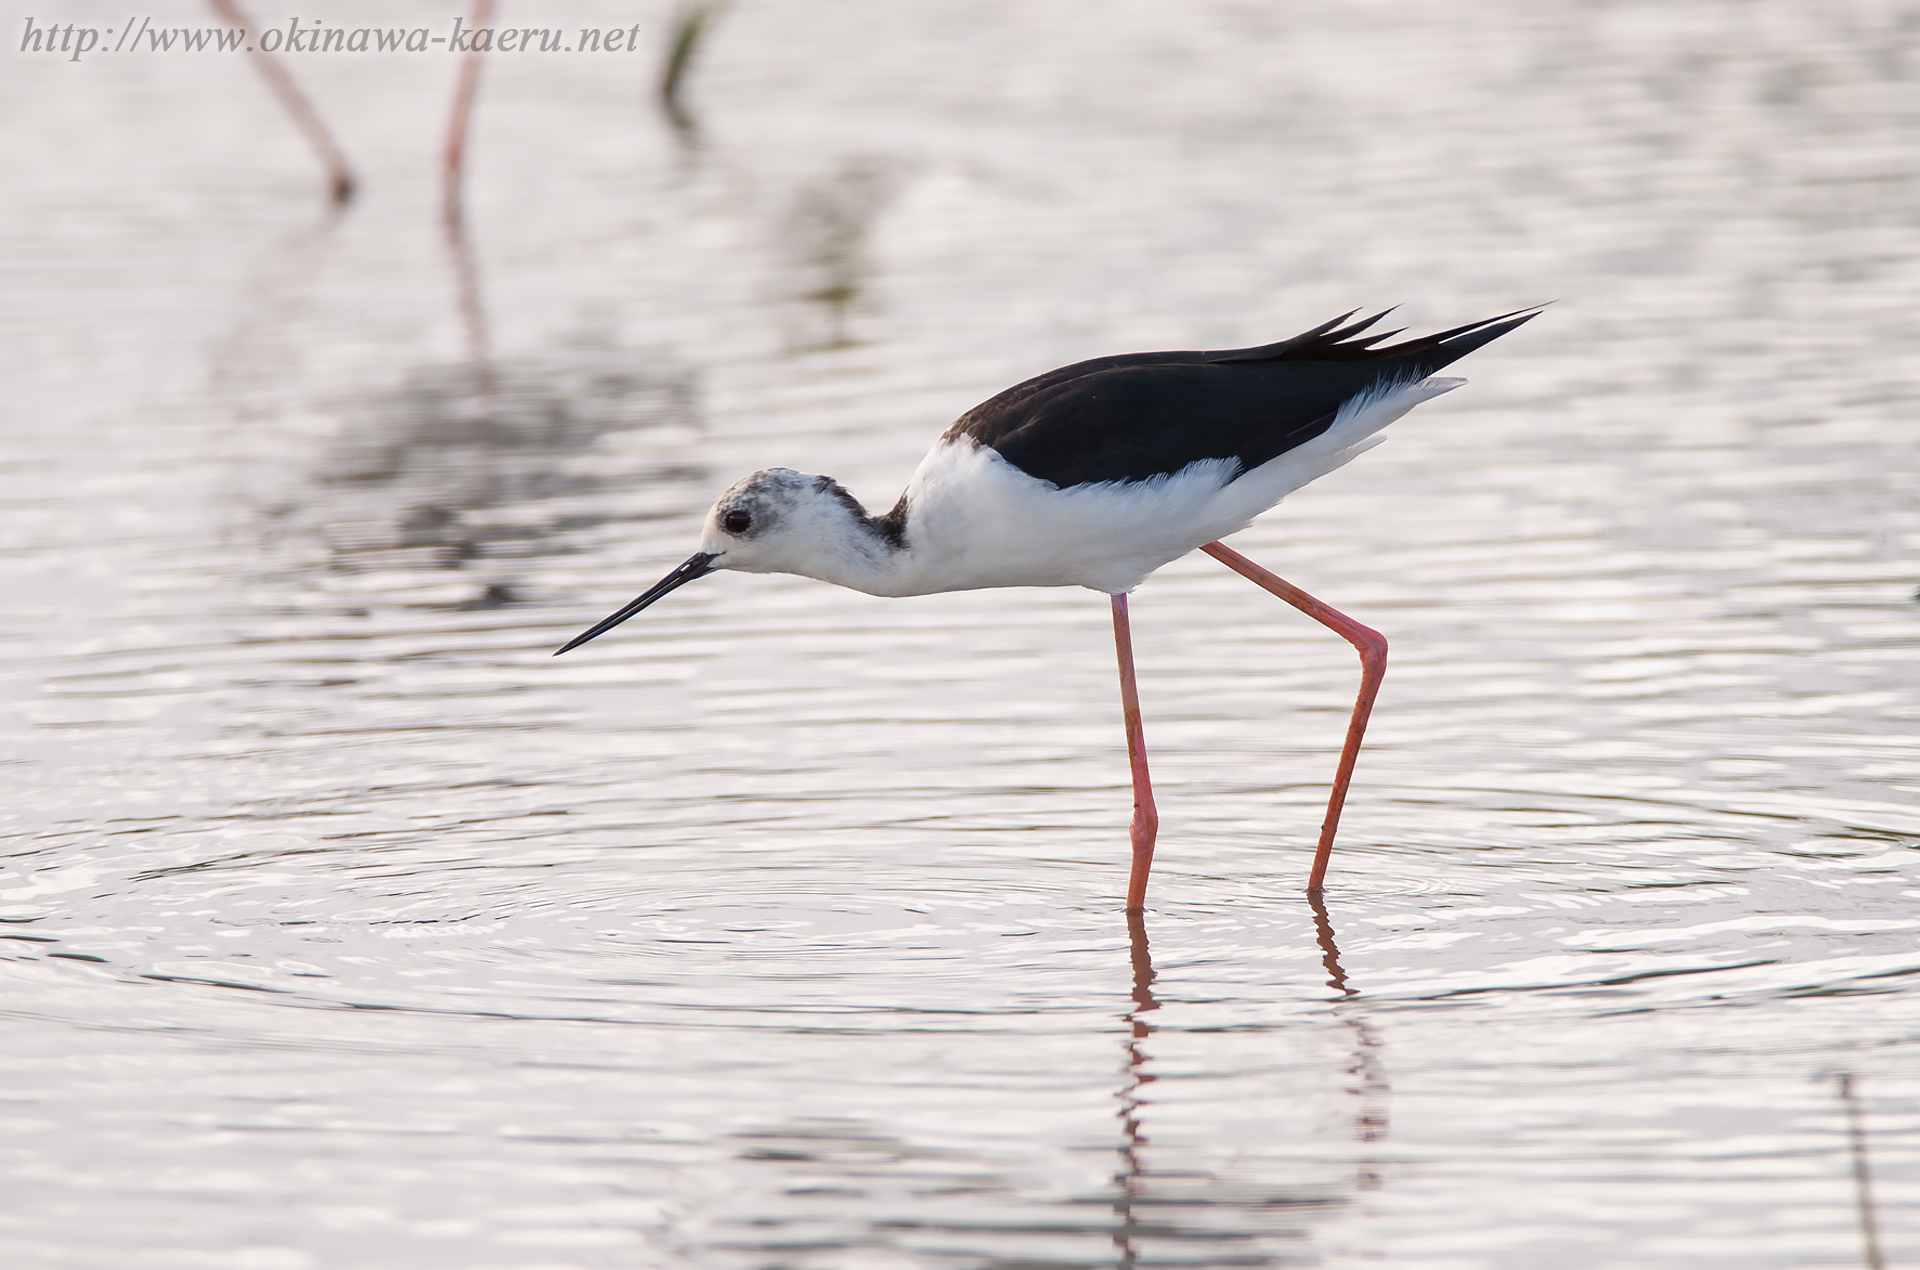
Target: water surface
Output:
[(345, 927)]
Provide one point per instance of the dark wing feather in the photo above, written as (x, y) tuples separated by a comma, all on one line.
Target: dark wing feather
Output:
[(1139, 415)]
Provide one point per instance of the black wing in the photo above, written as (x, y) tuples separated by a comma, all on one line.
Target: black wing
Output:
[(1138, 415)]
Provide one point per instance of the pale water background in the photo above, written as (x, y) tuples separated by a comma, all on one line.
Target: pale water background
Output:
[(346, 928)]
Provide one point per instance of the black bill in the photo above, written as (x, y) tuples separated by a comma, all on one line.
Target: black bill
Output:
[(698, 565)]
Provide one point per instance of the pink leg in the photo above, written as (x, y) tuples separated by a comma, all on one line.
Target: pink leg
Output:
[(1373, 668), (454, 159), (453, 166), (1146, 821), (339, 176)]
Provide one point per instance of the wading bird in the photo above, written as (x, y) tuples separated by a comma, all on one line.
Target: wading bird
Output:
[(1097, 474)]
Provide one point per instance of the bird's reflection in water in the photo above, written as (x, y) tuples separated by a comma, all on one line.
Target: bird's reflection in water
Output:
[(1138, 1078), (1367, 1079), (1366, 1085), (466, 266), (473, 317), (1846, 1083), (266, 339), (829, 232)]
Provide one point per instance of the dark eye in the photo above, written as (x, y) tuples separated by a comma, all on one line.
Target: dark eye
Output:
[(736, 522)]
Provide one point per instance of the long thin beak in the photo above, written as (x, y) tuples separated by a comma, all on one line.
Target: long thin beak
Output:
[(698, 565)]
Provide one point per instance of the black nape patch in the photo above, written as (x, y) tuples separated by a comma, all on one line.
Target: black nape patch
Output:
[(890, 528)]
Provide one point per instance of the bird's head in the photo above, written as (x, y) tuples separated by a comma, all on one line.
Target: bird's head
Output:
[(776, 521)]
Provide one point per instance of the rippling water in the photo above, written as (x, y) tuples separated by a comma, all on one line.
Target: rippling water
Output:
[(345, 927)]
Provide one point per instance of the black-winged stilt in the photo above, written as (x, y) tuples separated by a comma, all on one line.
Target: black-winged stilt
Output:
[(1097, 474)]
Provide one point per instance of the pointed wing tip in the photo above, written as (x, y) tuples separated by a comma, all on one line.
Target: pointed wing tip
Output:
[(1527, 314), (1462, 340)]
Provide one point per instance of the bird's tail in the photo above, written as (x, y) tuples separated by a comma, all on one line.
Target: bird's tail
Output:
[(1344, 341)]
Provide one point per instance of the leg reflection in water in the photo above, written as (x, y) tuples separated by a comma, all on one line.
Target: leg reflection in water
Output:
[(1138, 1078), (1241, 1217), (1368, 1080), (1862, 1175)]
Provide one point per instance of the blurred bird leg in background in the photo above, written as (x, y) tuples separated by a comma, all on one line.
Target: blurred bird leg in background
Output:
[(453, 217), (339, 176)]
